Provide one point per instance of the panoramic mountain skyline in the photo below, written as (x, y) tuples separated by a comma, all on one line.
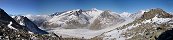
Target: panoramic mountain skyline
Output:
[(19, 20), (20, 7)]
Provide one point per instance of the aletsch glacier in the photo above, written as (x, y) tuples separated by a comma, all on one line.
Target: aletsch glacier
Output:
[(104, 24)]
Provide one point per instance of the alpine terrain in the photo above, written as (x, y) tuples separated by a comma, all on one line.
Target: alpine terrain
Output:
[(93, 24)]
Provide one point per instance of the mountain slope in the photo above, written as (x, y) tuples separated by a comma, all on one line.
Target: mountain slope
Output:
[(105, 20), (106, 25), (69, 19), (4, 17), (108, 21), (142, 28), (153, 12), (38, 19), (78, 18), (29, 24), (11, 30), (148, 27)]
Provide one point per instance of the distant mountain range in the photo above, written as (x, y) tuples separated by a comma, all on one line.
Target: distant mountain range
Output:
[(94, 24)]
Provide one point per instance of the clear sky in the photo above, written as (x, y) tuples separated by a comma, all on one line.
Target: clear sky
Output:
[(17, 7)]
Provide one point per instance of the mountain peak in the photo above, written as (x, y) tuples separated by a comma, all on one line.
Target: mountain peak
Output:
[(125, 14), (73, 11), (76, 10), (157, 11), (94, 9), (106, 13), (4, 17)]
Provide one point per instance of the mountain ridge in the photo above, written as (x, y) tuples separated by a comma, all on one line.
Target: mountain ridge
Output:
[(11, 30), (94, 23)]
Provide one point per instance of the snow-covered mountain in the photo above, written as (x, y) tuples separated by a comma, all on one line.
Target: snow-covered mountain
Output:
[(10, 29), (97, 24), (24, 21), (148, 27), (5, 18), (38, 19), (69, 19), (138, 14), (90, 19), (106, 19), (125, 14)]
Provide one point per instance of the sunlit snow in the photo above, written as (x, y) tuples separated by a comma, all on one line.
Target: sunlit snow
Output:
[(9, 25)]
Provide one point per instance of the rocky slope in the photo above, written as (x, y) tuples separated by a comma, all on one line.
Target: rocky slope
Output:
[(149, 26), (153, 12), (24, 21), (11, 30), (105, 20), (156, 26)]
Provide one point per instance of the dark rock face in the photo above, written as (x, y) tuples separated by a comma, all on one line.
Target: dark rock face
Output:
[(150, 31), (32, 27), (24, 21), (20, 32), (4, 17), (153, 12), (6, 32), (167, 35)]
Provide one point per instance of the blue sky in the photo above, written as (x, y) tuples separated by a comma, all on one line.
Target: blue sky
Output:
[(18, 7)]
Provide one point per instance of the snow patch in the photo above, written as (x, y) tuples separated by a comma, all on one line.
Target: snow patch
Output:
[(11, 27), (116, 34), (21, 23), (157, 20), (133, 26), (30, 32), (12, 16)]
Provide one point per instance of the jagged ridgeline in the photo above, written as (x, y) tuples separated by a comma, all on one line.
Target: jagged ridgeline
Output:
[(12, 30), (155, 24), (153, 12), (97, 24)]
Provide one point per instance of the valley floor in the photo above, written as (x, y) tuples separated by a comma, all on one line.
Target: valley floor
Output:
[(107, 33)]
